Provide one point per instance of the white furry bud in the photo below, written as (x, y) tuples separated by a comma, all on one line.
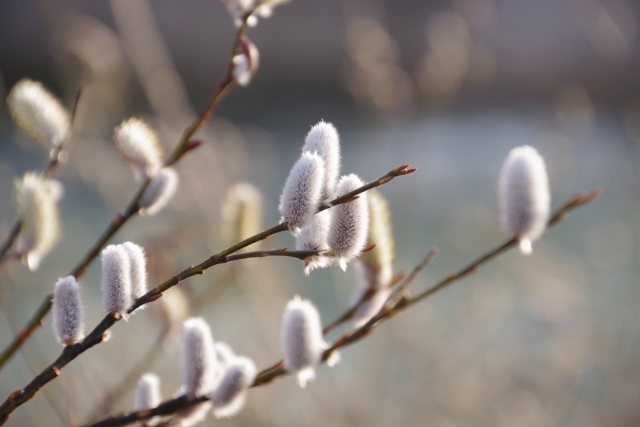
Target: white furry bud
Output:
[(36, 201), (246, 64), (138, 269), (369, 279), (302, 191), (241, 214), (138, 145), (159, 192), (38, 113), (313, 237), (228, 397), (197, 357), (68, 313), (324, 140), (349, 222), (147, 393), (301, 340), (523, 195), (199, 368), (116, 280)]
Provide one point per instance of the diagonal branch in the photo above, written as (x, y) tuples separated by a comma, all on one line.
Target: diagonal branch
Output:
[(268, 375), (96, 336), (184, 145)]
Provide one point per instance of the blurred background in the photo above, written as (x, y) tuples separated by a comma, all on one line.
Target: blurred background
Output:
[(552, 339)]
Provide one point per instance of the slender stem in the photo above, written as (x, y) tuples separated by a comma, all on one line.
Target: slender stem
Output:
[(224, 86), (19, 397), (270, 374)]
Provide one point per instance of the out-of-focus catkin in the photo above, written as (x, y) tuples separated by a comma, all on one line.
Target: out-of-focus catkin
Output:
[(36, 201), (302, 191), (246, 64), (313, 237), (241, 214), (301, 339), (197, 357), (68, 313), (229, 396), (38, 113), (349, 222), (138, 144), (523, 195), (159, 192), (147, 392), (199, 368), (324, 140), (116, 280)]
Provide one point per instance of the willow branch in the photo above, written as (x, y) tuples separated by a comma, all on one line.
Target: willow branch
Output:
[(268, 375), (19, 397), (183, 146)]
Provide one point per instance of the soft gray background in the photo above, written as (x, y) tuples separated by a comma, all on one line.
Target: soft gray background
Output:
[(547, 340)]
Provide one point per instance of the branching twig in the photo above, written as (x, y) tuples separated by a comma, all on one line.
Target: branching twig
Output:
[(266, 376), (19, 397), (132, 208)]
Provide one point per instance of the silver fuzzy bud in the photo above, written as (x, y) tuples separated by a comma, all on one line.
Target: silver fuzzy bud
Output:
[(229, 396), (147, 392), (68, 313), (349, 222), (116, 280), (301, 339), (159, 191), (313, 237), (302, 191), (138, 269), (324, 140), (523, 195)]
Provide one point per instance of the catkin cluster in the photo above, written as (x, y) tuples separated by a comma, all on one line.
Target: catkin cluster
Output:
[(207, 368), (313, 181)]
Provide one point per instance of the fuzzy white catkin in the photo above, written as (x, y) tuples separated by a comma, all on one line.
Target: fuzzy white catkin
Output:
[(301, 339), (147, 392), (324, 140), (199, 368), (38, 113), (138, 144), (36, 201), (229, 396), (349, 222), (116, 280), (523, 195), (159, 192), (198, 360), (67, 312), (313, 237), (138, 269), (302, 191)]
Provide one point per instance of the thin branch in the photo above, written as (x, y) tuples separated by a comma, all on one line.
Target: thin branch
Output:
[(132, 208), (19, 397), (270, 374)]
